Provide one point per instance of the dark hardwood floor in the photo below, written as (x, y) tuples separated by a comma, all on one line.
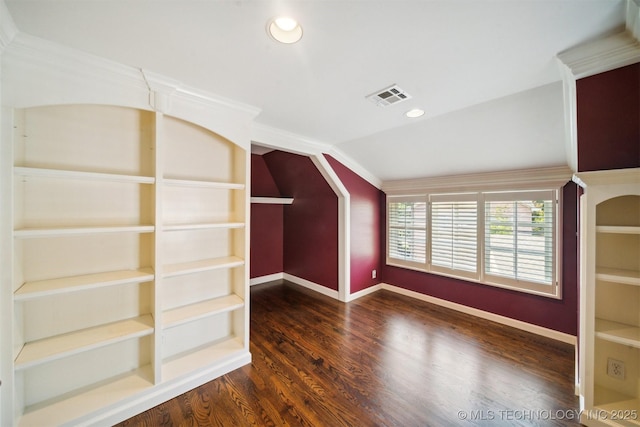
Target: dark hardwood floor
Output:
[(382, 360)]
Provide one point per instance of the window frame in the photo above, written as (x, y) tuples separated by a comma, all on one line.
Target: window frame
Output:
[(553, 290), (402, 262), (453, 198)]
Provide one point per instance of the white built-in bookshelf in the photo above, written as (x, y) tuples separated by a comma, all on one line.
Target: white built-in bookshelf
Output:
[(610, 297), (128, 262)]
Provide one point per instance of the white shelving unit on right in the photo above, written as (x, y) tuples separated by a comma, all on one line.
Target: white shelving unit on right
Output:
[(610, 297)]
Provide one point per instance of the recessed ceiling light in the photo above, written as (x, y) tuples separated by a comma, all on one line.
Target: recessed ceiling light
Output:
[(284, 29), (416, 112)]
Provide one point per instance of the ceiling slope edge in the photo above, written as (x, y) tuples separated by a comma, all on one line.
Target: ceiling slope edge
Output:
[(279, 139), (8, 29)]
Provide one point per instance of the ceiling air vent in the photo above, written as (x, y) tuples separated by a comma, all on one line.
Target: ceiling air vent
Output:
[(388, 96)]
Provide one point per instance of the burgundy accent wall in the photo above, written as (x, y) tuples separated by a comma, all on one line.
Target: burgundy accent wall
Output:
[(311, 222), (560, 315), (608, 114), (266, 237), (365, 226), (262, 183)]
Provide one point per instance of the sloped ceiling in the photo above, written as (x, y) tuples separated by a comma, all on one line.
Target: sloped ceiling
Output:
[(483, 71)]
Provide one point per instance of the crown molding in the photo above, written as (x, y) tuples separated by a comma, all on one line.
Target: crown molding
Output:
[(279, 139), (598, 56), (355, 167), (41, 72), (523, 179), (8, 29)]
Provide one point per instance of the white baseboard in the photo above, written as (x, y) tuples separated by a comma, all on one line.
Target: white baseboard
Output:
[(366, 291), (265, 279), (313, 286), (518, 324)]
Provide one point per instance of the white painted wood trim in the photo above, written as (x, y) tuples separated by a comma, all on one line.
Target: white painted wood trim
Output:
[(45, 73), (204, 184), (538, 330), (524, 179), (364, 292), (264, 279), (182, 268), (311, 285), (601, 55), (142, 397), (83, 176), (26, 233), (272, 200), (8, 397), (200, 310), (344, 224)]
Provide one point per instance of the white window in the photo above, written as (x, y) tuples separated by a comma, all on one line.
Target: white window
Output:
[(454, 234), (407, 231), (520, 235), (505, 239)]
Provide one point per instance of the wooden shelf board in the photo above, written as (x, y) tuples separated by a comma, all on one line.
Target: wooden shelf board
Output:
[(613, 401), (272, 200), (628, 277), (615, 229), (205, 184), (79, 175), (202, 357), (44, 288), (53, 348), (88, 399), (201, 265), (618, 332), (192, 312), (203, 226), (26, 233)]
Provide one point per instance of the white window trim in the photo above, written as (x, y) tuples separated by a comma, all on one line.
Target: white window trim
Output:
[(535, 180)]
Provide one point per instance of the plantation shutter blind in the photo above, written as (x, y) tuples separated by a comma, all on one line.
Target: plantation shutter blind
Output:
[(519, 236), (407, 236), (454, 233)]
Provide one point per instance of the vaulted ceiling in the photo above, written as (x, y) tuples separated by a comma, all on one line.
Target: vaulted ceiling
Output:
[(484, 72)]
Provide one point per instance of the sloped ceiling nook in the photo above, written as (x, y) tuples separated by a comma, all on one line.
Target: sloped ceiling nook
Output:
[(485, 73)]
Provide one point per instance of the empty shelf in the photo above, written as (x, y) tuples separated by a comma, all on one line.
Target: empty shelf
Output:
[(25, 233), (43, 288), (202, 226), (49, 349), (618, 332), (206, 184), (189, 313), (79, 175), (627, 277), (201, 265)]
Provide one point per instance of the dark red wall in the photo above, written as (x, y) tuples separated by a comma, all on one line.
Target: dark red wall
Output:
[(266, 223), (608, 113), (365, 226), (311, 223), (559, 315)]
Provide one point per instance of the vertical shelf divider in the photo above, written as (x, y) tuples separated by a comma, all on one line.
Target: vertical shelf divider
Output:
[(158, 162)]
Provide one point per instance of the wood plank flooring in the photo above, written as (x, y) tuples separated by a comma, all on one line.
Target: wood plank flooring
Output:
[(382, 360)]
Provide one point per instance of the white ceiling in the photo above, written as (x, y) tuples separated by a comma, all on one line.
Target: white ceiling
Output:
[(483, 70)]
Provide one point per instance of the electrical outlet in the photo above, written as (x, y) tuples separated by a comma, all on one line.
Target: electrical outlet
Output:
[(615, 368), (373, 274)]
